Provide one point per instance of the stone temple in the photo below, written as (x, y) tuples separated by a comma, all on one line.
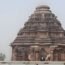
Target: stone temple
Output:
[(41, 39)]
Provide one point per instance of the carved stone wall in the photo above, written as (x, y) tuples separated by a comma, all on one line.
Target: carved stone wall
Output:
[(42, 38)]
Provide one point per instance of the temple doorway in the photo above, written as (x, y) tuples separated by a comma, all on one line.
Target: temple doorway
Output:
[(43, 54), (37, 54)]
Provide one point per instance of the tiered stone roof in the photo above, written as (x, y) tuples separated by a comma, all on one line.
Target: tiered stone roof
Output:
[(41, 23)]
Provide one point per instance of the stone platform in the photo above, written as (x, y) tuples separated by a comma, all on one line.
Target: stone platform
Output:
[(32, 63)]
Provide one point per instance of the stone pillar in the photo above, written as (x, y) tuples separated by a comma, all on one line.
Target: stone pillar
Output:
[(13, 54), (37, 56), (51, 52)]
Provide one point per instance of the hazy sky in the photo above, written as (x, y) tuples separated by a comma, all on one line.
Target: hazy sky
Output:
[(14, 13)]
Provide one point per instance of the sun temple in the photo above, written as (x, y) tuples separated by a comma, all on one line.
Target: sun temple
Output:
[(41, 39)]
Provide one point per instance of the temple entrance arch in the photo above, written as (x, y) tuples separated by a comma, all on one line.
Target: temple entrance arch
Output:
[(37, 54), (43, 54)]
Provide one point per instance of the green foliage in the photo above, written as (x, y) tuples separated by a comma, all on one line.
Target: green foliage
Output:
[(2, 57)]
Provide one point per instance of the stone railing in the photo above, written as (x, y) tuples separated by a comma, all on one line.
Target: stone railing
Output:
[(32, 63)]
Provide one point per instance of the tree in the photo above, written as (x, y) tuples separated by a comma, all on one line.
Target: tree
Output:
[(2, 57)]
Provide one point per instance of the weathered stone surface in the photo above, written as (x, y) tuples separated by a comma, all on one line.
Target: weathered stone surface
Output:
[(42, 38)]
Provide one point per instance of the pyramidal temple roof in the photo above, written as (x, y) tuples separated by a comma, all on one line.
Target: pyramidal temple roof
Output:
[(40, 21), (41, 27)]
